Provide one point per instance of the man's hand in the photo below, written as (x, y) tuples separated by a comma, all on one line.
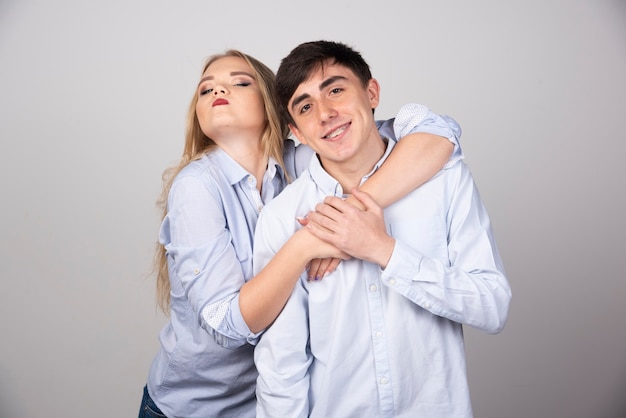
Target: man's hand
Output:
[(358, 233)]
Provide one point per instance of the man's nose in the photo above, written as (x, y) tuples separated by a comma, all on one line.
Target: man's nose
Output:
[(326, 111)]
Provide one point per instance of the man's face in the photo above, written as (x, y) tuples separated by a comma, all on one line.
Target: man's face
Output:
[(332, 112)]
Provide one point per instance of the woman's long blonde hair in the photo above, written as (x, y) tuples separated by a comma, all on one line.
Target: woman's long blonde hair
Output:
[(197, 144)]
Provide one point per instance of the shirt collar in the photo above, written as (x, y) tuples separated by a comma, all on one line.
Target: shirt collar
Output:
[(274, 169), (329, 185), (234, 172)]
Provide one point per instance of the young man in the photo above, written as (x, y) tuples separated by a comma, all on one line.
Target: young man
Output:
[(382, 335)]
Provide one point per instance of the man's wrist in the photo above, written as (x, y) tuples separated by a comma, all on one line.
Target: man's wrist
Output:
[(386, 251)]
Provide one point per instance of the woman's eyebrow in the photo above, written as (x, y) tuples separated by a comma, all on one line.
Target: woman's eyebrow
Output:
[(210, 77)]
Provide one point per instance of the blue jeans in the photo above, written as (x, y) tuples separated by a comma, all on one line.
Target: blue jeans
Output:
[(148, 408)]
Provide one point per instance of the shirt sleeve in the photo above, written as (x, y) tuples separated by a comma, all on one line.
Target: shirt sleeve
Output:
[(413, 118), (296, 157), (471, 288), (204, 268), (282, 356)]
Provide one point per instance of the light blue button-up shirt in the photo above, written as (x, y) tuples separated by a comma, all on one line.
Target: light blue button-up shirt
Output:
[(370, 343), (205, 366)]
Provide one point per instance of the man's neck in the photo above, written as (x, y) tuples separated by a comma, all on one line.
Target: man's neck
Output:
[(350, 173)]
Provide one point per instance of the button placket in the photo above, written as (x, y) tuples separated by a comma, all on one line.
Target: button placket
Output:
[(256, 196)]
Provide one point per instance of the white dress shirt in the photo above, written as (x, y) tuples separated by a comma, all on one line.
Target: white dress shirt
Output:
[(370, 343)]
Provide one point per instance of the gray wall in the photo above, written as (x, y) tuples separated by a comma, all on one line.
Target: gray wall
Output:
[(92, 103)]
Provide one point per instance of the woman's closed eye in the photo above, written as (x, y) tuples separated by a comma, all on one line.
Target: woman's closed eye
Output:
[(210, 89)]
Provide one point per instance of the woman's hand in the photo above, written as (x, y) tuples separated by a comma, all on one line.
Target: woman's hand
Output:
[(320, 267)]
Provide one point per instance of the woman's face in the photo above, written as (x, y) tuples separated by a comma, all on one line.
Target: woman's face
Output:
[(229, 100)]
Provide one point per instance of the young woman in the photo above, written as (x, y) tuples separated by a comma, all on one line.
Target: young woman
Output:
[(235, 160)]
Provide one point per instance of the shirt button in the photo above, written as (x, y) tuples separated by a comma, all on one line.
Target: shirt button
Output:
[(196, 271), (427, 305), (259, 207), (250, 179), (373, 288), (392, 282), (378, 334), (383, 381)]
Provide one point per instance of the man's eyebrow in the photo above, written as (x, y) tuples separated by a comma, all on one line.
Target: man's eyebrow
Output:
[(322, 86), (210, 77), (299, 99), (331, 80)]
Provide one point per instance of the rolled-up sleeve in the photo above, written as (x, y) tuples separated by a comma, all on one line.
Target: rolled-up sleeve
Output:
[(414, 118), (203, 266)]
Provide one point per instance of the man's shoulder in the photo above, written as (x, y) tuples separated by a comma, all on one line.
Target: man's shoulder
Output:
[(445, 182), (277, 220), (458, 168), (294, 194)]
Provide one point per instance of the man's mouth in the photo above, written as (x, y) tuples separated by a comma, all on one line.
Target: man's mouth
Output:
[(335, 133)]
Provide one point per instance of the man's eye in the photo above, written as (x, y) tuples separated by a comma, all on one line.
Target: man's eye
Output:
[(305, 108), (336, 90), (206, 91)]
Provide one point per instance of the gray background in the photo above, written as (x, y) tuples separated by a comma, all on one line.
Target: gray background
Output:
[(93, 97)]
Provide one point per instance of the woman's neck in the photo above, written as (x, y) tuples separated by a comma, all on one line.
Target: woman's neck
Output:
[(249, 154)]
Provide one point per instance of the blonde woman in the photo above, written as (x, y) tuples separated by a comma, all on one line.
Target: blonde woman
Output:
[(235, 160)]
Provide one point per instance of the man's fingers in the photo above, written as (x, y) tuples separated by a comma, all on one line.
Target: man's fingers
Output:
[(321, 221), (365, 199)]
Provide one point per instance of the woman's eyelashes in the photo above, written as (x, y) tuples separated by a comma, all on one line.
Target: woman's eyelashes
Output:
[(209, 90)]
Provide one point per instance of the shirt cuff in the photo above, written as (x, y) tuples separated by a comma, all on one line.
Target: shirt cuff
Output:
[(240, 324), (404, 266)]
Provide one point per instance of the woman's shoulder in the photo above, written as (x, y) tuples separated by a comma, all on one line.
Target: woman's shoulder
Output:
[(296, 157), (207, 170), (196, 177), (197, 167)]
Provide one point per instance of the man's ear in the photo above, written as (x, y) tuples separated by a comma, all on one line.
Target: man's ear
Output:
[(298, 134), (373, 91)]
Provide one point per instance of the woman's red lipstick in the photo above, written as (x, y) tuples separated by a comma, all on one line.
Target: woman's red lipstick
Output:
[(220, 102)]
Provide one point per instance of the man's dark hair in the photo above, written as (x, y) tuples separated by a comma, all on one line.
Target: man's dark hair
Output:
[(308, 57)]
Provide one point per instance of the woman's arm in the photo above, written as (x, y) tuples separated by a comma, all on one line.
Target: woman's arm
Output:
[(262, 298), (425, 145), (412, 162)]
